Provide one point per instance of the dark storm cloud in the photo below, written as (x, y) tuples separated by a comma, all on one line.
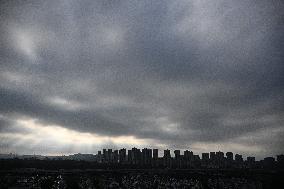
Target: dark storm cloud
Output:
[(177, 72)]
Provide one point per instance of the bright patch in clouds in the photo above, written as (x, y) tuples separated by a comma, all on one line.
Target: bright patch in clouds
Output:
[(24, 43), (64, 103), (63, 140)]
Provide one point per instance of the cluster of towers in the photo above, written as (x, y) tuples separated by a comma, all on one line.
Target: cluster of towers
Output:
[(134, 156), (150, 158)]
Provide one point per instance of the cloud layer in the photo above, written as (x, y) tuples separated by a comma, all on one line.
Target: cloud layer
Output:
[(196, 74)]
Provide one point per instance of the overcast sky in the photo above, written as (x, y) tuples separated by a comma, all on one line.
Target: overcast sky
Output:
[(203, 75)]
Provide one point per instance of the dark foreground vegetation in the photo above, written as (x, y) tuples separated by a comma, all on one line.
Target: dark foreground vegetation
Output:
[(16, 173)]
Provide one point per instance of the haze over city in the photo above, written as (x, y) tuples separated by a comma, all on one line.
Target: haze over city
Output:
[(80, 76)]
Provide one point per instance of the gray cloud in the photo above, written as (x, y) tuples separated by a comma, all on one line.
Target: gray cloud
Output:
[(178, 73)]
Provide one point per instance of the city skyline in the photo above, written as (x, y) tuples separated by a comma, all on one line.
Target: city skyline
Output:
[(154, 152), (76, 77)]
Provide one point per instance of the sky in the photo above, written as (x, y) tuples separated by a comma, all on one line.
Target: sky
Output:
[(202, 75)]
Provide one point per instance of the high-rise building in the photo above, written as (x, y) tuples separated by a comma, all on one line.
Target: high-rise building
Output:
[(167, 158), (109, 155), (230, 156), (238, 158), (129, 156), (220, 155), (122, 155), (205, 156), (146, 155), (104, 155), (269, 162), (99, 157), (155, 154), (136, 155), (115, 156), (212, 156), (188, 155), (167, 154), (149, 155), (177, 154)]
